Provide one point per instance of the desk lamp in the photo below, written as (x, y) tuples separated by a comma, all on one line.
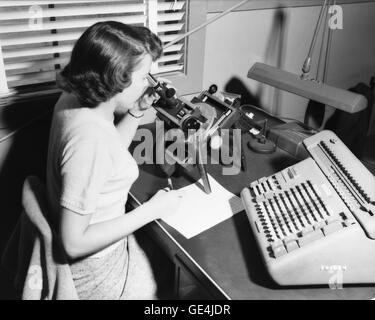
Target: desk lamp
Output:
[(306, 87)]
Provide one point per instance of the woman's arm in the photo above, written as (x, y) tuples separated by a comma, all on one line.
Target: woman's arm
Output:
[(128, 125), (85, 167), (81, 239)]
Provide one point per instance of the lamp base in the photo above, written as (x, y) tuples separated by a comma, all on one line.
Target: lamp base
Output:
[(262, 145)]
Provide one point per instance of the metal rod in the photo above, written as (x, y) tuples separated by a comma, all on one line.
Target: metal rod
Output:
[(328, 51), (199, 143), (307, 64), (322, 46), (218, 16)]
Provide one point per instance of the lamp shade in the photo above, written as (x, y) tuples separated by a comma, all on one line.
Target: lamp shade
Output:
[(338, 98)]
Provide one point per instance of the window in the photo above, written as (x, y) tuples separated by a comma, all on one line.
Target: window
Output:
[(36, 37)]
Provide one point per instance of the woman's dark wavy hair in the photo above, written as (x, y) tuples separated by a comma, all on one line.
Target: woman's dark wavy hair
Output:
[(103, 60)]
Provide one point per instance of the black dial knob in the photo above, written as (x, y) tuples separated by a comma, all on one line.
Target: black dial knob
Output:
[(170, 92), (212, 89)]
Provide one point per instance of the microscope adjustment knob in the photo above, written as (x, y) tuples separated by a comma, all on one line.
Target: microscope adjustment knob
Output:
[(170, 92), (212, 89)]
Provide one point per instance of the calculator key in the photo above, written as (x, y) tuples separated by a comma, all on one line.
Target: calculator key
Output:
[(291, 245), (332, 227), (278, 249), (310, 237)]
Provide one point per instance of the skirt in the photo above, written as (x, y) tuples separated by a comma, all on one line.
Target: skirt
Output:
[(123, 274)]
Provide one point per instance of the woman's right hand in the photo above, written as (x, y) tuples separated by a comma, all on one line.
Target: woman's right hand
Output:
[(165, 203)]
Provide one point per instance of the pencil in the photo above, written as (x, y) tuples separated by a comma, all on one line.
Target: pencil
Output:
[(170, 185)]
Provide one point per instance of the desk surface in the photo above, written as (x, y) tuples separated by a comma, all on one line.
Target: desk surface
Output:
[(225, 258)]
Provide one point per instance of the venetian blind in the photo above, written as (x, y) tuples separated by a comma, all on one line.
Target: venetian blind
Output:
[(36, 37)]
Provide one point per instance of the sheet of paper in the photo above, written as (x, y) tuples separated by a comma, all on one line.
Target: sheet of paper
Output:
[(200, 211)]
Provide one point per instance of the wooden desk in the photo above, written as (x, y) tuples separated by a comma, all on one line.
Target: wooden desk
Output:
[(224, 260)]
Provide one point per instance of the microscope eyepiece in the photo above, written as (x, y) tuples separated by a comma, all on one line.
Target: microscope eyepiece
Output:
[(166, 94)]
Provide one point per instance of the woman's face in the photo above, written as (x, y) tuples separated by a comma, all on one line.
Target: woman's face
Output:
[(127, 98)]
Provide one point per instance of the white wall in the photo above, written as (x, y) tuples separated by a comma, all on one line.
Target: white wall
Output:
[(236, 41)]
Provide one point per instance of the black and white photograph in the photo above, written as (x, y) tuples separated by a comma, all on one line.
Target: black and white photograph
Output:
[(187, 154)]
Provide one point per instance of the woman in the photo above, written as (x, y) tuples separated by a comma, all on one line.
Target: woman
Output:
[(90, 169)]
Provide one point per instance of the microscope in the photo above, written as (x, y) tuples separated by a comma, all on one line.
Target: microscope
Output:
[(198, 119)]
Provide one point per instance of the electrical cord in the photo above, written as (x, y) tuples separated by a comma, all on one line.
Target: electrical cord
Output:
[(3, 106), (14, 97), (23, 126), (312, 131), (307, 131)]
